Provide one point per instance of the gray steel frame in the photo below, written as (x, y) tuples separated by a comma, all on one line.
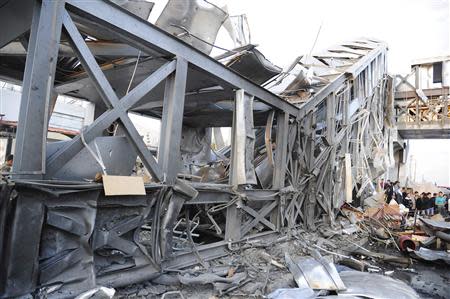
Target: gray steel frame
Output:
[(146, 37)]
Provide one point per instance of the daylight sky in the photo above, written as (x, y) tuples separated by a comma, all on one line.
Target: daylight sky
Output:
[(285, 29)]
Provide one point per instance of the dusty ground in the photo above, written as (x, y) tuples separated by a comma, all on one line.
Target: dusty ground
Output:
[(430, 280)]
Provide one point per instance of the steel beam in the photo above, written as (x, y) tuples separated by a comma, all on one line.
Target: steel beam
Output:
[(169, 155), (98, 48), (37, 85), (430, 92), (147, 36)]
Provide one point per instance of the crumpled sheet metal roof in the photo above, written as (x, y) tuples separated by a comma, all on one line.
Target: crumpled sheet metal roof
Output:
[(309, 73), (304, 293), (195, 22), (432, 255), (253, 65), (440, 225), (318, 273), (375, 286)]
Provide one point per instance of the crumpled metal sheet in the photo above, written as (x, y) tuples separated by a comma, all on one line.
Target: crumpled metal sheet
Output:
[(253, 65), (82, 166), (140, 8), (432, 255), (339, 297), (97, 293), (320, 273), (375, 286), (196, 22), (304, 293), (436, 224), (315, 272)]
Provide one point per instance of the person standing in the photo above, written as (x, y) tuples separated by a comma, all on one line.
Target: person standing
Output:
[(382, 184), (420, 204), (415, 198), (440, 203), (7, 166), (448, 203), (398, 196), (430, 204), (408, 199), (389, 191)]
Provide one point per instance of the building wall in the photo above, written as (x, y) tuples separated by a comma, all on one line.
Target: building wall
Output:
[(426, 76), (9, 102), (69, 113)]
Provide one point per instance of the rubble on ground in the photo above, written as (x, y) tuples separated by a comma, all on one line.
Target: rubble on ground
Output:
[(327, 263)]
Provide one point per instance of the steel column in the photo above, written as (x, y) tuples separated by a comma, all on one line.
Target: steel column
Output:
[(311, 196), (331, 118), (172, 122), (233, 219), (417, 86), (37, 86), (280, 161), (279, 172)]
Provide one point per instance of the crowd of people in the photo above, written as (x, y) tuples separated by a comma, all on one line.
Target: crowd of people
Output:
[(425, 203)]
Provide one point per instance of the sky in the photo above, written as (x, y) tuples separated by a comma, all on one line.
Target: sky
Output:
[(413, 29), (431, 158), (285, 29)]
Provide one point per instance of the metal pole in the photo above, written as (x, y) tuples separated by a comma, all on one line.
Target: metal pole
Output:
[(417, 86), (42, 56), (172, 122)]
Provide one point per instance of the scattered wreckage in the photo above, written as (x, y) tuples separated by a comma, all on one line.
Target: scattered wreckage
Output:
[(303, 141)]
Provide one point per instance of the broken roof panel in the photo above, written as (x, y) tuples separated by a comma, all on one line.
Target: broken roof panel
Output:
[(320, 69), (377, 286), (253, 65), (196, 22)]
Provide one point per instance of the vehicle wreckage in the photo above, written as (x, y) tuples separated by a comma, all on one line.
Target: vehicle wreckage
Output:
[(304, 140)]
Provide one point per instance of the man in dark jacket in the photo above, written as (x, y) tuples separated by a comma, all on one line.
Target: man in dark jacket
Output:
[(430, 204), (389, 191), (420, 204)]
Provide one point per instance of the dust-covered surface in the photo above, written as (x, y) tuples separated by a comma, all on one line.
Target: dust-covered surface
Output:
[(260, 269), (263, 267), (429, 279)]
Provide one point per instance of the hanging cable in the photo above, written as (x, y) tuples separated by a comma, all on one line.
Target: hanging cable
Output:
[(134, 71), (97, 158)]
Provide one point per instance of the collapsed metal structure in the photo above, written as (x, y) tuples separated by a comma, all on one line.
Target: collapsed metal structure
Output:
[(294, 157)]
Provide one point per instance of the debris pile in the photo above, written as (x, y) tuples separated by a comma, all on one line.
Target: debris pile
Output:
[(301, 265)]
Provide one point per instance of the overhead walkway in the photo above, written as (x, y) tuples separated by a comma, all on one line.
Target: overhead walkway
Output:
[(421, 113)]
